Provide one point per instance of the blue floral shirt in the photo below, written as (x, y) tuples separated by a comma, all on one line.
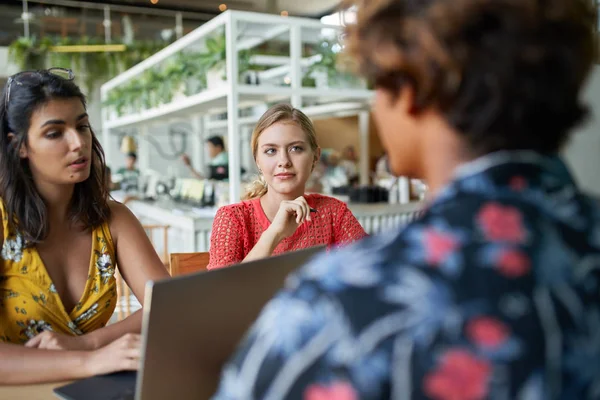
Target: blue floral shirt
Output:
[(493, 294)]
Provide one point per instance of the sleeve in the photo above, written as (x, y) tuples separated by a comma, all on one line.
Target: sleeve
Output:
[(286, 352), (345, 328), (348, 229), (226, 240)]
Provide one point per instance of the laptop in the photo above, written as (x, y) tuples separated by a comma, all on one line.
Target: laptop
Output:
[(221, 172), (191, 326)]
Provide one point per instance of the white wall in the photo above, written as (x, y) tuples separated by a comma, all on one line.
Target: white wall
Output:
[(583, 152)]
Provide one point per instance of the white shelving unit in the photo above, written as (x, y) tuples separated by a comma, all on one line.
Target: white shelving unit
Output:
[(280, 79)]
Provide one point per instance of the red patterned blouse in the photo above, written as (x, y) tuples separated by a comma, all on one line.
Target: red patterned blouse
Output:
[(237, 228)]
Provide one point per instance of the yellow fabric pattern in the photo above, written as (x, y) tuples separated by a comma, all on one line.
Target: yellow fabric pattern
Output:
[(29, 304)]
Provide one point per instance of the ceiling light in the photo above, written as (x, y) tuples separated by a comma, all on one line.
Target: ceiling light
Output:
[(284, 13), (153, 1), (223, 7)]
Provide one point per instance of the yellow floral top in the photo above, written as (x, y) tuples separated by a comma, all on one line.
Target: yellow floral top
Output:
[(29, 302)]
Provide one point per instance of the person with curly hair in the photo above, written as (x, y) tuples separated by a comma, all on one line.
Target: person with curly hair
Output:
[(494, 292)]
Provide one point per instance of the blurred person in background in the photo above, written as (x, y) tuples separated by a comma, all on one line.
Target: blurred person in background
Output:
[(335, 174), (129, 175), (349, 162), (219, 158), (494, 292)]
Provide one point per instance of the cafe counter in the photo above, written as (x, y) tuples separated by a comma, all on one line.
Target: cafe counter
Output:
[(190, 227)]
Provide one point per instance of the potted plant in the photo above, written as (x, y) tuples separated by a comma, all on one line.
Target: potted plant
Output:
[(194, 76), (150, 81), (30, 53), (213, 61), (330, 71)]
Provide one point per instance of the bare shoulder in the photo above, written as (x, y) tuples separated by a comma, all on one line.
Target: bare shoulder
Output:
[(119, 211), (121, 218)]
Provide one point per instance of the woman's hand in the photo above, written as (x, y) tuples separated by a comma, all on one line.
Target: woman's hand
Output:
[(59, 341), (289, 217), (122, 354)]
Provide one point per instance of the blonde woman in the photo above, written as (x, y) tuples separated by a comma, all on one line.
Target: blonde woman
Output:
[(276, 215)]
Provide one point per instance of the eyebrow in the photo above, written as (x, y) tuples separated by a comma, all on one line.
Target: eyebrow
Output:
[(289, 144), (61, 122)]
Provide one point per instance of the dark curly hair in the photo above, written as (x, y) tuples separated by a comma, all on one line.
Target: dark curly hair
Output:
[(25, 209), (506, 74)]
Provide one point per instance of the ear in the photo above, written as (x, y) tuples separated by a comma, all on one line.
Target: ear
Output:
[(22, 150), (406, 99), (401, 102)]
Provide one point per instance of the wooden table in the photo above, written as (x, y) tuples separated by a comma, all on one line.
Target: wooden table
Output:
[(30, 392)]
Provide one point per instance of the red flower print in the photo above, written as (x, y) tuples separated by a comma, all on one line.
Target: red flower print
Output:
[(517, 183), (334, 391), (500, 223), (460, 376), (438, 245), (513, 263), (487, 332)]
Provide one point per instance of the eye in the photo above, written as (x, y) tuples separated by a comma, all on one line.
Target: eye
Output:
[(270, 151), (52, 135), (84, 127), (296, 148)]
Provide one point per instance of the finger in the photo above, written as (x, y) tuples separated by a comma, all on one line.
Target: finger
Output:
[(132, 346), (299, 212), (34, 341), (130, 340), (47, 344), (301, 201), (52, 346), (303, 210), (305, 207), (132, 336), (129, 365), (134, 354), (293, 208)]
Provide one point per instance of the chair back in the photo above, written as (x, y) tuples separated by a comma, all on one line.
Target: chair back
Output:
[(159, 237), (188, 263)]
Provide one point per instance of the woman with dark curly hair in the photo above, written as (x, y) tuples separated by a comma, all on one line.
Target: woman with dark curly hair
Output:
[(62, 239), (495, 291)]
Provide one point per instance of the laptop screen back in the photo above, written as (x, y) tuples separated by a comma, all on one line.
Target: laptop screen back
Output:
[(192, 324)]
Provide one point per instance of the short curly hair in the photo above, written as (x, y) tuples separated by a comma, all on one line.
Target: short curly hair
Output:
[(506, 74)]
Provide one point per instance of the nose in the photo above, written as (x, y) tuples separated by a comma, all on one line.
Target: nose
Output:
[(75, 140), (284, 160)]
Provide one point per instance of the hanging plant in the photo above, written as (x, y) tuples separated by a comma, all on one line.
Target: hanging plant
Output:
[(333, 65), (30, 53), (90, 68), (215, 55)]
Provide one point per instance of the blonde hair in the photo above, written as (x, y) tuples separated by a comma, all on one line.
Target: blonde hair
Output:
[(278, 113)]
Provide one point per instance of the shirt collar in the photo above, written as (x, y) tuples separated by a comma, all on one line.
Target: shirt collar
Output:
[(500, 171), (548, 162)]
